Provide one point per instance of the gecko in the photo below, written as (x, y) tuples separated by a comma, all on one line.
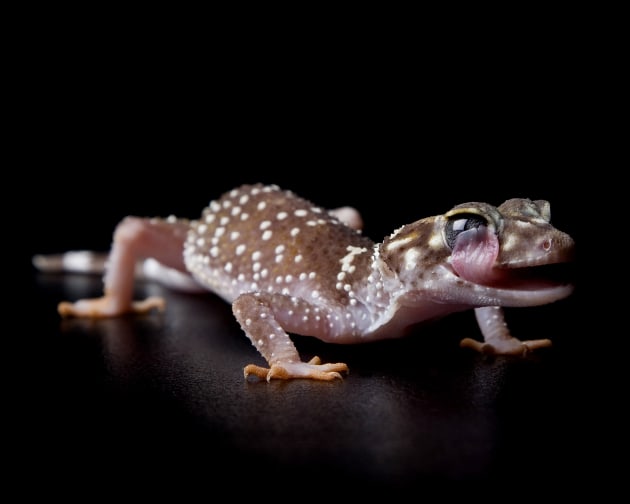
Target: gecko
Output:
[(288, 266)]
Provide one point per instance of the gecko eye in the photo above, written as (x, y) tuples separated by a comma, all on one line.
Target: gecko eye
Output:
[(461, 222)]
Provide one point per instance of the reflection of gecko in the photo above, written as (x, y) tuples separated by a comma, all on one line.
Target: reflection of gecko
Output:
[(288, 266)]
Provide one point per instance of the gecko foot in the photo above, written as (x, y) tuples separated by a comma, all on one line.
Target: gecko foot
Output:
[(107, 307), (313, 370), (510, 346)]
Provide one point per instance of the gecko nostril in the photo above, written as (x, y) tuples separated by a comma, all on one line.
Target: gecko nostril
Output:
[(546, 244)]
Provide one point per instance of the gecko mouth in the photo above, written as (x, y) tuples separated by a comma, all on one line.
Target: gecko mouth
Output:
[(476, 258), (523, 286), (532, 277)]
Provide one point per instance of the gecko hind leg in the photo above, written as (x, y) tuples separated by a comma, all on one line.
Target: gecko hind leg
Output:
[(134, 238)]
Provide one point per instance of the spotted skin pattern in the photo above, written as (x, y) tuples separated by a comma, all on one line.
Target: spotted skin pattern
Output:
[(289, 266)]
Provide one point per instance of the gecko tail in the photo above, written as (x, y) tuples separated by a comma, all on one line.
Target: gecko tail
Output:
[(94, 263), (78, 261)]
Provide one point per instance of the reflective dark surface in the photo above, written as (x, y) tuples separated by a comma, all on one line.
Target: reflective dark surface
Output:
[(164, 395)]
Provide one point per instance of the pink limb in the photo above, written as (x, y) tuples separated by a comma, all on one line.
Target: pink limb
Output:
[(134, 238), (497, 337)]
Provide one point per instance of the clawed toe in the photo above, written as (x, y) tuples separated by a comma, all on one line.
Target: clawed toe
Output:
[(511, 346), (312, 370), (107, 306)]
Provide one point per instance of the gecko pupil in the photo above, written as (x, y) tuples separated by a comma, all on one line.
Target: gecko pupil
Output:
[(461, 222)]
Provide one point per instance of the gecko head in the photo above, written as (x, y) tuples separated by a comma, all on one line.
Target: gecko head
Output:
[(513, 249), (480, 254)]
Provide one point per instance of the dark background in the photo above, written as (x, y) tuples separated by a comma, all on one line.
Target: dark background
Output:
[(108, 129)]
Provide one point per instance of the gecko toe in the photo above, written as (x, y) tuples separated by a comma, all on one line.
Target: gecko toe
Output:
[(258, 371)]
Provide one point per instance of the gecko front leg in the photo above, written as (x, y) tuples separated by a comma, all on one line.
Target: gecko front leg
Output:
[(258, 315), (497, 337), (134, 238)]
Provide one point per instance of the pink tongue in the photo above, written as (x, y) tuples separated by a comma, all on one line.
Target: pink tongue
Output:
[(474, 255)]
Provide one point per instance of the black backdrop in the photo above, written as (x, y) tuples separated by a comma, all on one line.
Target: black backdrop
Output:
[(107, 138)]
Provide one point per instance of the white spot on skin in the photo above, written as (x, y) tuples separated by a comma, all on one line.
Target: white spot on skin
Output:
[(236, 210), (219, 232), (300, 213), (279, 249), (210, 218), (436, 242), (510, 242), (265, 224), (295, 231), (261, 206), (240, 249), (244, 216), (202, 228), (349, 257), (228, 267), (298, 258), (214, 251), (234, 235), (244, 199), (315, 294), (394, 244), (281, 215), (266, 235), (256, 255), (279, 258), (224, 221), (411, 258)]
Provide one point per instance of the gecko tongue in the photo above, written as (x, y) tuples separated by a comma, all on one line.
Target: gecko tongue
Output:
[(474, 255)]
